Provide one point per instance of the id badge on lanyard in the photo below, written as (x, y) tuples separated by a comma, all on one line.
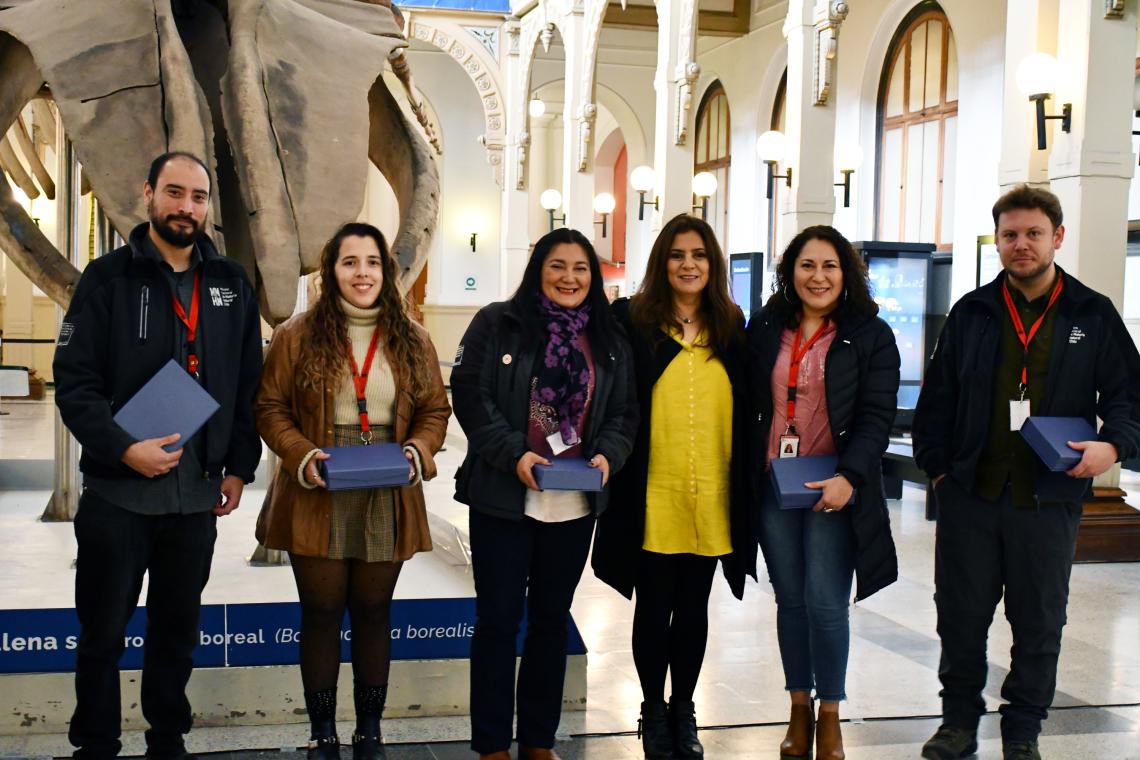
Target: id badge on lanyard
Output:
[(1019, 410), (790, 443)]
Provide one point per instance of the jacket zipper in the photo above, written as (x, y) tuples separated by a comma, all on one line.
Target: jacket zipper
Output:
[(144, 312)]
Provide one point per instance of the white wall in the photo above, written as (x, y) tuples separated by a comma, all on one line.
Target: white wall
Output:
[(467, 183)]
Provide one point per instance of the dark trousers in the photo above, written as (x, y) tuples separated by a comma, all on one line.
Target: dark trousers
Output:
[(982, 549), (671, 622), (516, 561), (116, 548)]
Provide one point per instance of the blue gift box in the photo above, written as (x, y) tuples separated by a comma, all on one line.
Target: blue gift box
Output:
[(351, 468), (789, 475), (1049, 437), (568, 475), (170, 402)]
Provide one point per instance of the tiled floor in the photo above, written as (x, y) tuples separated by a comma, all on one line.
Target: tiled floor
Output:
[(892, 681)]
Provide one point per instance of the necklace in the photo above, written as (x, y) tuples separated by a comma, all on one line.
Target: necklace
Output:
[(687, 320)]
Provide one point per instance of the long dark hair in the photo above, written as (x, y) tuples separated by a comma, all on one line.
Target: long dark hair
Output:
[(326, 344), (856, 298), (652, 306), (602, 325)]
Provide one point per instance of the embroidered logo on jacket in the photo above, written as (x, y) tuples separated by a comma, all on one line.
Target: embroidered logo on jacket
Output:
[(1076, 335), (222, 296), (66, 330)]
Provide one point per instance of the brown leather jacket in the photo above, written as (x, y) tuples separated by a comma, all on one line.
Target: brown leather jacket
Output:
[(295, 420)]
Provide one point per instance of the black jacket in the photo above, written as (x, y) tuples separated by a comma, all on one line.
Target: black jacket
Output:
[(490, 390), (861, 381), (119, 331), (1093, 373), (621, 532)]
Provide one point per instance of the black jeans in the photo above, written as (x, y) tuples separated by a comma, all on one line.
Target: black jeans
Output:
[(516, 561), (981, 549), (116, 548)]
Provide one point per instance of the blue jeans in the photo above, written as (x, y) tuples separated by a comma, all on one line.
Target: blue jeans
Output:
[(811, 561)]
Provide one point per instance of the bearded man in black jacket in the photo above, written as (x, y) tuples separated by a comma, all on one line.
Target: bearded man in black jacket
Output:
[(1034, 341), (167, 294)]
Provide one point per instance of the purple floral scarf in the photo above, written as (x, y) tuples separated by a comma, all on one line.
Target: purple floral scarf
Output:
[(563, 375)]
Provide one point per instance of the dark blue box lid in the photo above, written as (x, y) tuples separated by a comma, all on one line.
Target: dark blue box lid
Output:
[(570, 474), (789, 475), (379, 465), (1049, 437), (170, 402)]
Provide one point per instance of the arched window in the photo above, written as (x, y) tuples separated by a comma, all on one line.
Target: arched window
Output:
[(918, 124), (713, 154)]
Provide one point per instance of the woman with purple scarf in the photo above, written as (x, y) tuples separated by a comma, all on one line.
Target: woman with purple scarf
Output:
[(544, 375)]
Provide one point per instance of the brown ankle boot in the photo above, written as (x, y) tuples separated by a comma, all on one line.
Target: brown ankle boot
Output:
[(828, 738), (797, 743), (537, 753)]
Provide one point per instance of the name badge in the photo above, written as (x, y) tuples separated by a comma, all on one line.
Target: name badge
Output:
[(789, 446), (1018, 413), (557, 445)]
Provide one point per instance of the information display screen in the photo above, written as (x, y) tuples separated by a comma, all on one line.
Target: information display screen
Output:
[(741, 265), (898, 285)]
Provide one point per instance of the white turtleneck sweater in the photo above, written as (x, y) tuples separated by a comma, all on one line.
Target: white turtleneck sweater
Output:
[(380, 390)]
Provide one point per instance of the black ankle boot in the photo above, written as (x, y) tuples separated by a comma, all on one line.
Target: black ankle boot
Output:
[(683, 725), (323, 741), (367, 741), (653, 728)]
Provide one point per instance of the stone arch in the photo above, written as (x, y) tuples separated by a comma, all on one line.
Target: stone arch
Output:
[(475, 49)]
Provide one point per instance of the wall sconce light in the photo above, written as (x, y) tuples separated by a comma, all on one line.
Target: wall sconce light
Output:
[(704, 185), (848, 158), (473, 236), (771, 146), (604, 204), (472, 225), (642, 179), (536, 107), (551, 200), (1037, 78)]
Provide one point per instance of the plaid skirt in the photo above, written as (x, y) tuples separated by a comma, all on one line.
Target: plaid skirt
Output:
[(363, 523)]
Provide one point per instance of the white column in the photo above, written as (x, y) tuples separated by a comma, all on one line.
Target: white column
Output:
[(577, 185), (515, 206), (1091, 167), (65, 494), (673, 82), (810, 125), (1031, 27)]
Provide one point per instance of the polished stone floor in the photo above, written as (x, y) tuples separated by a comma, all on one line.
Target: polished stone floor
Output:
[(892, 680)]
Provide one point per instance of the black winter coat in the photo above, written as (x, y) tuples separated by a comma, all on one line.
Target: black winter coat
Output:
[(621, 532), (861, 379), (119, 331), (490, 392), (1094, 371)]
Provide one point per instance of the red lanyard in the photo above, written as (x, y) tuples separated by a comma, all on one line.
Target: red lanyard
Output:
[(360, 381), (1019, 327), (191, 322), (798, 355)]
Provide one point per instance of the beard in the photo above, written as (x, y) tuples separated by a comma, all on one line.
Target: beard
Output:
[(171, 234), (1032, 274)]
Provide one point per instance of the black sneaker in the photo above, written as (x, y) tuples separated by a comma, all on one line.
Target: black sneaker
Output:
[(950, 743), (1020, 751)]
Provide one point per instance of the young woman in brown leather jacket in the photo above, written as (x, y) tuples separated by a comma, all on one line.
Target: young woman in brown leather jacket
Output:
[(347, 547)]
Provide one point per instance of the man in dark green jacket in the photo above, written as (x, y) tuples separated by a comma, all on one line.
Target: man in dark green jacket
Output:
[(1034, 341)]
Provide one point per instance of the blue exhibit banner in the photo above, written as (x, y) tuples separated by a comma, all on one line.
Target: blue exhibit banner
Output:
[(240, 635), (487, 6)]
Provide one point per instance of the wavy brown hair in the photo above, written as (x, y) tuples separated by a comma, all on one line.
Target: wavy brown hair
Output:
[(856, 298), (651, 308), (324, 352)]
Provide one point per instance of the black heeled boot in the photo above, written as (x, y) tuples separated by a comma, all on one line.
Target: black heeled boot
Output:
[(653, 728), (323, 741), (683, 724), (367, 741)]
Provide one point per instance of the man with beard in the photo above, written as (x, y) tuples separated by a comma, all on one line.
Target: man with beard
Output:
[(167, 294), (1035, 341)]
